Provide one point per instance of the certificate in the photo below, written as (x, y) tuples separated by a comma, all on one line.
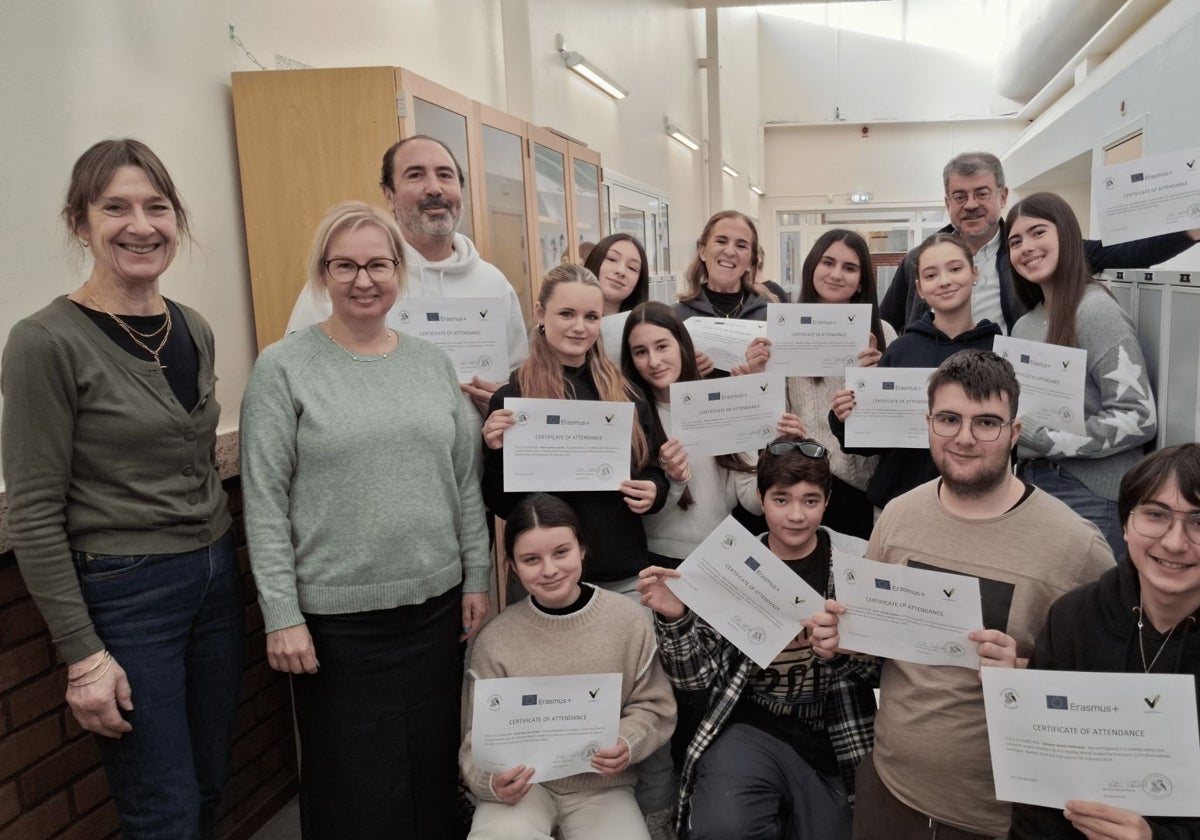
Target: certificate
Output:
[(1052, 382), (745, 592), (1146, 197), (611, 328), (471, 331), (1126, 740), (724, 340), (552, 724), (567, 445), (890, 405), (817, 339), (913, 615), (719, 416)]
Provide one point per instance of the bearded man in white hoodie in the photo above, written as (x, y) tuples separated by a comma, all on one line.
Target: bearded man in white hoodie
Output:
[(422, 183)]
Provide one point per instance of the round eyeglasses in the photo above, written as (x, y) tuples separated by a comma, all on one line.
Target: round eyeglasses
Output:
[(984, 427), (1153, 521), (346, 271)]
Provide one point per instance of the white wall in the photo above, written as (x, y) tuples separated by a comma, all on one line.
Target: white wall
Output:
[(741, 120), (1154, 73), (808, 70), (77, 71)]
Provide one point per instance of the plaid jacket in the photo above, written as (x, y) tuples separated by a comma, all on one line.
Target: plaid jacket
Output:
[(696, 657)]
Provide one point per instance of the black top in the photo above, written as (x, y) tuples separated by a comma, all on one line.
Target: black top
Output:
[(585, 595), (612, 534), (924, 345), (179, 357)]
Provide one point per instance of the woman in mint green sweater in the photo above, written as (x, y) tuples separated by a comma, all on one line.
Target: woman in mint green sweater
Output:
[(367, 541)]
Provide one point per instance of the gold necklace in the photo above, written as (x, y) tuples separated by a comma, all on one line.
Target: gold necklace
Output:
[(133, 334), (387, 343)]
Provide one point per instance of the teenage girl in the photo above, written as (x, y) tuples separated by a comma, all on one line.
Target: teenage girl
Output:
[(946, 276), (567, 627), (567, 361)]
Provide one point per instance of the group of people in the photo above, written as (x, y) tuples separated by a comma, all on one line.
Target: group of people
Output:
[(368, 471)]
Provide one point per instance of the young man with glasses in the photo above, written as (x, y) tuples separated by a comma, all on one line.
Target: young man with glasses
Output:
[(778, 747), (931, 773), (975, 195), (1140, 617)]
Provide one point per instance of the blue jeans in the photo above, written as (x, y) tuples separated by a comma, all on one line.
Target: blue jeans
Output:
[(175, 623), (1058, 482)]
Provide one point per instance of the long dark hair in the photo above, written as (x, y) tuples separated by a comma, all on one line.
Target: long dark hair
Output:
[(867, 289), (599, 253), (660, 315), (1071, 276)]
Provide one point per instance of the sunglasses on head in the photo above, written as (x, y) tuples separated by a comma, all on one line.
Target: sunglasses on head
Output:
[(804, 447)]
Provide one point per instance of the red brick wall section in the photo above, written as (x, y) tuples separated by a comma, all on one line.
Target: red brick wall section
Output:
[(51, 782)]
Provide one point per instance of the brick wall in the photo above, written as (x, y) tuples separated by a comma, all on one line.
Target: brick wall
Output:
[(51, 783)]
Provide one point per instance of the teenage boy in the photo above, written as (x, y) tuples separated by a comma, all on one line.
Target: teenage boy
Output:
[(776, 752), (930, 775)]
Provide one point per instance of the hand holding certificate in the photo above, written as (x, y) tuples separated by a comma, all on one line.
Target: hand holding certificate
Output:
[(724, 340), (1052, 382), (552, 724), (471, 331), (817, 339), (914, 615), (1126, 740), (745, 592), (1148, 197), (558, 445), (719, 416), (889, 407)]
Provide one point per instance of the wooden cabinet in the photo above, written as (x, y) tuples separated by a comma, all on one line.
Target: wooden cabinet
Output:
[(308, 139)]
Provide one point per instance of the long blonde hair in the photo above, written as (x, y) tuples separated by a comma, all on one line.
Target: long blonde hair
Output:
[(697, 272), (541, 375)]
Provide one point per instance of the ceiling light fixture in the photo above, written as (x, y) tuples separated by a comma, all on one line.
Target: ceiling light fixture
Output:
[(729, 170), (756, 189), (589, 71), (681, 136)]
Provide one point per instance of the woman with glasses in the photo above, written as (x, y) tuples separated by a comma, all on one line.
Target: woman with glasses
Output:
[(946, 277), (1069, 308), (1139, 617), (777, 750), (117, 514), (367, 541)]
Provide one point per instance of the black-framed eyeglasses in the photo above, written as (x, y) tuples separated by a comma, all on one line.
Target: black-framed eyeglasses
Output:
[(1154, 522), (380, 269), (982, 196), (984, 427), (804, 447)]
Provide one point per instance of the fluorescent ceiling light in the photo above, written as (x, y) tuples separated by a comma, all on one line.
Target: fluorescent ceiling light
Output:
[(590, 71), (729, 170), (860, 198), (681, 136), (756, 189)]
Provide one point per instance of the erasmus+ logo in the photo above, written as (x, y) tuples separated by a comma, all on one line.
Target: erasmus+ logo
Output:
[(752, 564), (880, 583), (805, 319), (433, 316), (553, 420), (1057, 701), (889, 386), (528, 699), (713, 396), (1024, 358)]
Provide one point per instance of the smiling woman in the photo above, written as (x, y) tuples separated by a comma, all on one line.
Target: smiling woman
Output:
[(118, 518), (721, 278), (367, 541)]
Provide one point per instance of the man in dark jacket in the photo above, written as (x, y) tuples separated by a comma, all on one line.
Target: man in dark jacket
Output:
[(975, 199)]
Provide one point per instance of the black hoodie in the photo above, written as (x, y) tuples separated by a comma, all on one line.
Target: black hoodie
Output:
[(924, 345), (1094, 628)]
